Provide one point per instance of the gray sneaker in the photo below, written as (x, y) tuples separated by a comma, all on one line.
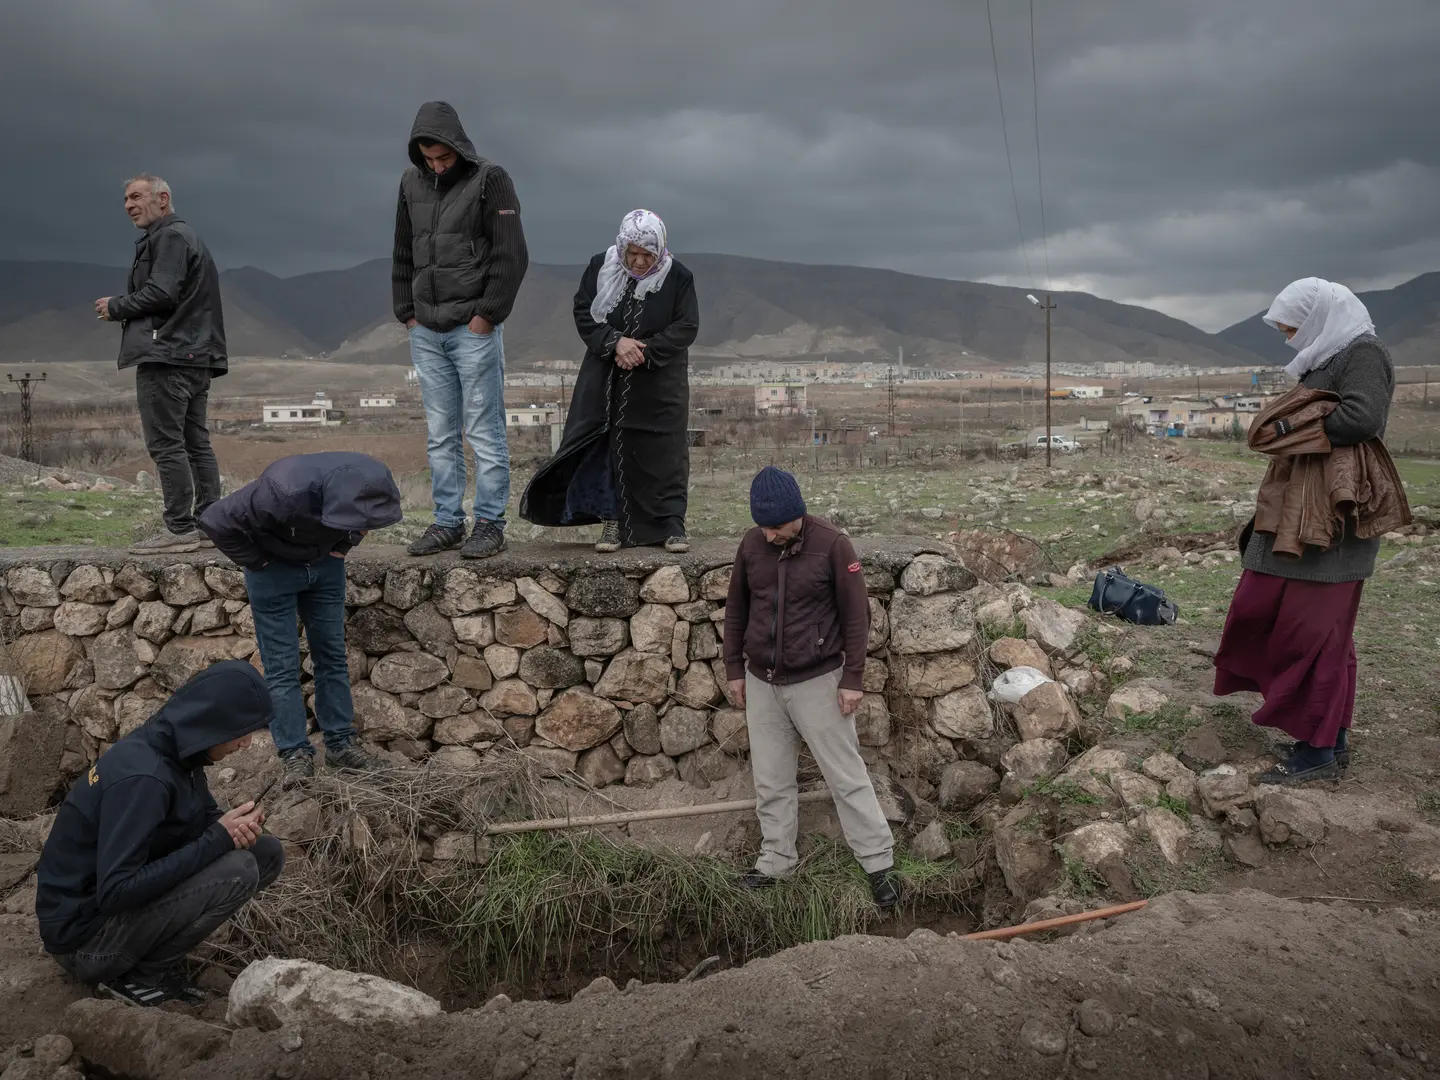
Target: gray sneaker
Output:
[(167, 543), (609, 541), (352, 757), (297, 766)]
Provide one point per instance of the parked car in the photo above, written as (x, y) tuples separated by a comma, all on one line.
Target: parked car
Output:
[(1062, 443)]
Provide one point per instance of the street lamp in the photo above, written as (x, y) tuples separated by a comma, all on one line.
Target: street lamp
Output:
[(1047, 307)]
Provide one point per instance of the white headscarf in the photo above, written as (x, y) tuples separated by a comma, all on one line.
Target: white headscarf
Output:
[(1326, 317), (643, 229)]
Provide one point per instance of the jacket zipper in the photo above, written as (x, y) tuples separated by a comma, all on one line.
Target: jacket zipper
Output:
[(434, 228), (777, 621)]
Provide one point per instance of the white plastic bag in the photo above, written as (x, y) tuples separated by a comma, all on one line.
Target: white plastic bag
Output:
[(1016, 683)]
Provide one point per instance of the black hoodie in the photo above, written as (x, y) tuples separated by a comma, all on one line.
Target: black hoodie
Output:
[(142, 820), (459, 248), (302, 508)]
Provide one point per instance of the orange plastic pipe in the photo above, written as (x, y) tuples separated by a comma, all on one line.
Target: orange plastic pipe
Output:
[(1054, 924)]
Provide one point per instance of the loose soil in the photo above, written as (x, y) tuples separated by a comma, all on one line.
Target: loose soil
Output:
[(1242, 985)]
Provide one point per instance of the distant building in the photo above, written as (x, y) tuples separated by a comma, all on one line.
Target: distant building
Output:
[(532, 416), (780, 399), (317, 412), (378, 401), (412, 376), (1086, 391)]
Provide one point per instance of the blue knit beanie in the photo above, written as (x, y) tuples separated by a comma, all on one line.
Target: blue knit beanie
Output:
[(775, 498)]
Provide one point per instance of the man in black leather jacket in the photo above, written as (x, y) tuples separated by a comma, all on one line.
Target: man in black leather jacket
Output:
[(173, 334)]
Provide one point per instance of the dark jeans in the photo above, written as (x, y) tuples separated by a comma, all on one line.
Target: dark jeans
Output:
[(315, 592), (148, 943), (172, 403)]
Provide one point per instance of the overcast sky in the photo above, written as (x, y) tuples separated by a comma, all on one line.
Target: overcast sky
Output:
[(1197, 155)]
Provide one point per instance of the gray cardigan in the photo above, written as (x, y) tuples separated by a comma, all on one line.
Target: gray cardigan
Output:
[(1364, 377)]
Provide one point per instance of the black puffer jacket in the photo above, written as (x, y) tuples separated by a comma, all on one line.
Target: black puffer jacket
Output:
[(171, 315), (142, 820), (459, 248), (303, 508)]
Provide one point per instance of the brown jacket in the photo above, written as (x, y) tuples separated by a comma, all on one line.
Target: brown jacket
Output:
[(1313, 492), (799, 611)]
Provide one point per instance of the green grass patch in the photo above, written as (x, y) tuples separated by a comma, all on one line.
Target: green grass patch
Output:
[(101, 519), (1179, 807), (1079, 882), (1428, 803), (1063, 791), (1171, 721)]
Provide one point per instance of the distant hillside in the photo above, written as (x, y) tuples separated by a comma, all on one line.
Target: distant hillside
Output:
[(1407, 318), (749, 308)]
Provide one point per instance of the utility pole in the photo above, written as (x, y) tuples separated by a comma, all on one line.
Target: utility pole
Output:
[(1047, 307), (27, 434), (890, 400), (1425, 395)]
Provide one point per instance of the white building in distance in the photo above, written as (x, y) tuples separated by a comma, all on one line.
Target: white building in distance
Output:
[(319, 411), (528, 416), (378, 401), (1085, 391)]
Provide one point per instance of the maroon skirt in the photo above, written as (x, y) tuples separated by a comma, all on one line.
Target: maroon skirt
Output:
[(1293, 642)]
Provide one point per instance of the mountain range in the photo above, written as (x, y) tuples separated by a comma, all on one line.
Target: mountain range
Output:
[(750, 309)]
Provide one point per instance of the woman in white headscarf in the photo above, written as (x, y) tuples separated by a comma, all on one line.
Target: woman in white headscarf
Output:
[(624, 460), (1289, 634)]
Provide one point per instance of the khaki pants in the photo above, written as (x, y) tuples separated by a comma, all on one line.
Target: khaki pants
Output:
[(778, 718)]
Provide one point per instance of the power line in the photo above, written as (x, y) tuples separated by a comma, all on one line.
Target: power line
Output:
[(1039, 172), (1005, 132)]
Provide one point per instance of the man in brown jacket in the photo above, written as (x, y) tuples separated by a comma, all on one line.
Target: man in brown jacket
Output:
[(797, 622)]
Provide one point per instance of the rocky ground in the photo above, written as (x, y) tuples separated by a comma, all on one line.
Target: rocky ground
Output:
[(1242, 985)]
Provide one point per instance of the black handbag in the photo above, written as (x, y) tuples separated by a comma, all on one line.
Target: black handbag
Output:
[(1117, 593)]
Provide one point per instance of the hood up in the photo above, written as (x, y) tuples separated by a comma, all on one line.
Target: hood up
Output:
[(226, 701), (437, 121), (358, 494)]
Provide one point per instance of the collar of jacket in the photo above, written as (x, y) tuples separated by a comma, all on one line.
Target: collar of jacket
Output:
[(156, 225)]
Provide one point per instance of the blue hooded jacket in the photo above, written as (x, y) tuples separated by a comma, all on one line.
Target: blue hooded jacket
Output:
[(142, 820), (302, 508)]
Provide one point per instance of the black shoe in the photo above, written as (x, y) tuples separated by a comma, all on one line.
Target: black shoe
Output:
[(352, 757), (677, 545), (1342, 757), (131, 992), (885, 887), (181, 989), (297, 765), (438, 538), (1297, 769), (754, 879), (486, 539)]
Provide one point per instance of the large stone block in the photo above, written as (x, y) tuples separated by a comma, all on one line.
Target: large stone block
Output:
[(272, 993), (929, 575), (114, 659), (31, 748), (182, 585), (87, 585), (464, 592), (598, 637), (380, 717), (46, 660), (578, 720), (683, 730), (936, 674), (666, 585), (32, 586), (930, 624), (604, 596), (542, 601), (964, 714), (547, 668), (652, 628), (636, 677), (521, 627)]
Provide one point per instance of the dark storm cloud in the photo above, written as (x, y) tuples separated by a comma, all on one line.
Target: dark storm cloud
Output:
[(1197, 156)]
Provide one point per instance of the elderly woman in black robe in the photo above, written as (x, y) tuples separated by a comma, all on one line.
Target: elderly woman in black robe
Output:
[(624, 461)]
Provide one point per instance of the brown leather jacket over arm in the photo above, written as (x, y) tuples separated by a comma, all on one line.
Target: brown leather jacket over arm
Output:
[(1313, 492)]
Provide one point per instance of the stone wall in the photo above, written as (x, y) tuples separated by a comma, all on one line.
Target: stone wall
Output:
[(606, 667)]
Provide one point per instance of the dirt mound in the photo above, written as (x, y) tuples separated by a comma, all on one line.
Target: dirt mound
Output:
[(1243, 985)]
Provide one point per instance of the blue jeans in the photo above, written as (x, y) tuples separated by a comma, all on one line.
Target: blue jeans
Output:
[(315, 592), (462, 381)]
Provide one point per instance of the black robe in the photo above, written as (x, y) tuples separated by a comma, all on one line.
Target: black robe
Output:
[(624, 455)]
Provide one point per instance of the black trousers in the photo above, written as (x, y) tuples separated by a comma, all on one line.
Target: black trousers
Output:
[(172, 402), (148, 943)]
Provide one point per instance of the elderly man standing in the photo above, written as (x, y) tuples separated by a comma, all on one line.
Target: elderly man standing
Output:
[(459, 259), (173, 334), (797, 623)]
